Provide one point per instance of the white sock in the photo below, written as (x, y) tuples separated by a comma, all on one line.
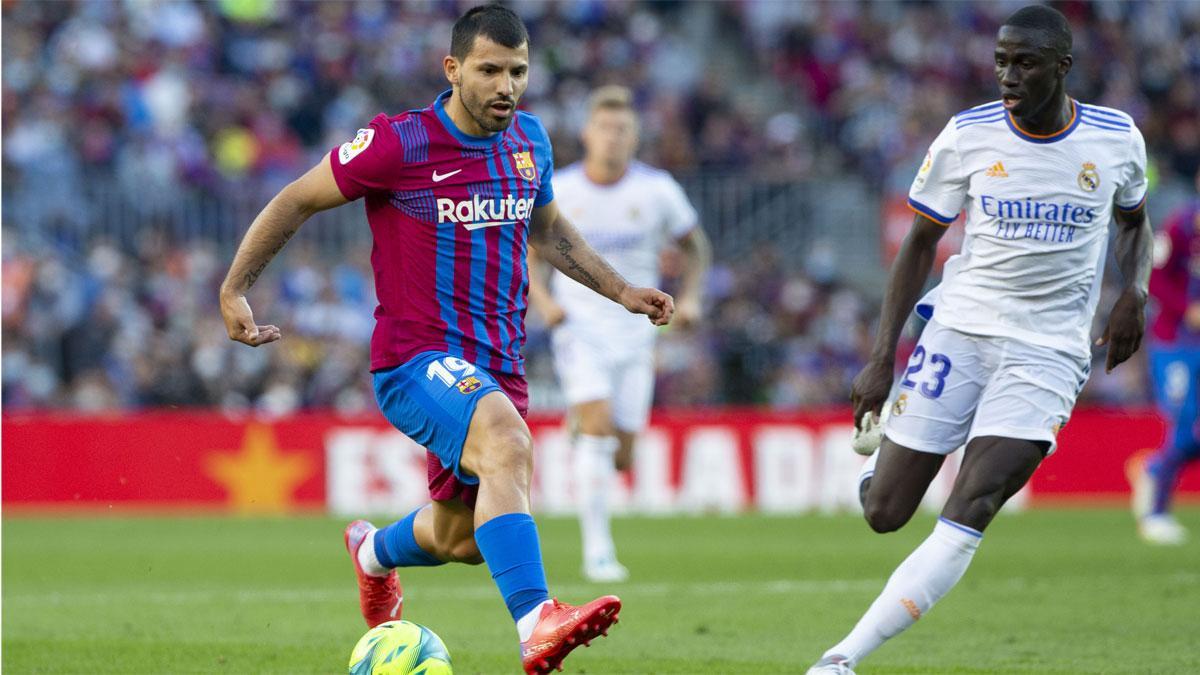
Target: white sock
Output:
[(367, 559), (595, 474), (527, 623), (921, 580), (868, 468)]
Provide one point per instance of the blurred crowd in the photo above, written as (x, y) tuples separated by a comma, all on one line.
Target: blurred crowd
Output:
[(158, 100)]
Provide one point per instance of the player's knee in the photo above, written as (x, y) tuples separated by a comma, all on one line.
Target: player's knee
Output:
[(509, 453), (624, 457), (975, 507), (884, 517), (975, 512)]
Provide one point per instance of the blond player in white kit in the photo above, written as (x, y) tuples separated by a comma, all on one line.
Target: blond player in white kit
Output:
[(629, 212)]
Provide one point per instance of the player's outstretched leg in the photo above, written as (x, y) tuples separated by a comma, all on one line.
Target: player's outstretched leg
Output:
[(499, 452), (993, 470)]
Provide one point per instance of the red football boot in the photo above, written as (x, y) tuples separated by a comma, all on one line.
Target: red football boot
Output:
[(379, 598), (562, 628)]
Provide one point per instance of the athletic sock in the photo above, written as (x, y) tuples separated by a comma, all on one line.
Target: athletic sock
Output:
[(1164, 468), (595, 474), (368, 561), (864, 475), (527, 623), (509, 544), (921, 580), (395, 546)]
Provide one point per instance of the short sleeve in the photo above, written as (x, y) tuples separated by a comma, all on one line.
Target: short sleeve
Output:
[(940, 188), (680, 214), (1132, 190), (545, 156), (367, 163)]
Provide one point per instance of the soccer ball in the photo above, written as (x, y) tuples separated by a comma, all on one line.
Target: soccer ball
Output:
[(400, 648)]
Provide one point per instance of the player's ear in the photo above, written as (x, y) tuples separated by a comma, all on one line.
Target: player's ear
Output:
[(1064, 64), (452, 68)]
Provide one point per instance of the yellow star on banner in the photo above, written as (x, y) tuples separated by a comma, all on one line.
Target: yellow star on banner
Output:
[(259, 477)]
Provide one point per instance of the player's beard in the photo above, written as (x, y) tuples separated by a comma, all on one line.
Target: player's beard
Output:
[(481, 112)]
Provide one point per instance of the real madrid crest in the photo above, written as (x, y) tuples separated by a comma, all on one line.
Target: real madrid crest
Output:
[(1089, 180), (525, 165)]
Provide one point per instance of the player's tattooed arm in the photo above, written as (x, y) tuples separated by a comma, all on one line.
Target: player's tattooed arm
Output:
[(1135, 256), (271, 230), (907, 279), (560, 244)]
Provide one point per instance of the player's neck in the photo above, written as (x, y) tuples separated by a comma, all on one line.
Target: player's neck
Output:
[(462, 119), (603, 173), (1052, 118)]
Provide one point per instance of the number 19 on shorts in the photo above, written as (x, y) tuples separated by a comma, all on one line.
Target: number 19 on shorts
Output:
[(446, 369)]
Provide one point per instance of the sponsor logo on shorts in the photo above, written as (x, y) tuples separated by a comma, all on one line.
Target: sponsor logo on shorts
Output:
[(469, 384), (1089, 180), (350, 150), (899, 406)]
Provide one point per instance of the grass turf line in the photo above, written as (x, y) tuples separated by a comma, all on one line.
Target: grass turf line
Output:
[(1052, 591)]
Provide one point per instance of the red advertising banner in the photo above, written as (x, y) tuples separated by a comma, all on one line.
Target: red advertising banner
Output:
[(688, 462)]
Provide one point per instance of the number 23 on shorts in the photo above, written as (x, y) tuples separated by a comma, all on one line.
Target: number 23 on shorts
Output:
[(939, 368)]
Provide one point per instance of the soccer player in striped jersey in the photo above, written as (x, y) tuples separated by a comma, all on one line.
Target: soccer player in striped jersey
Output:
[(454, 193), (1007, 347), (1174, 356)]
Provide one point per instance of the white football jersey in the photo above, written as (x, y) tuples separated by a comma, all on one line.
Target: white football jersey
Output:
[(628, 223), (1038, 213)]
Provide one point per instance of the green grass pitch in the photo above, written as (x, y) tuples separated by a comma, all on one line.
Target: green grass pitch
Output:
[(1050, 591)]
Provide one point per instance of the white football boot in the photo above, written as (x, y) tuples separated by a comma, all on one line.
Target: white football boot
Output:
[(1162, 529), (605, 570)]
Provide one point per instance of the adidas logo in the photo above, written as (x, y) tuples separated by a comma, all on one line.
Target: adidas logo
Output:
[(997, 171)]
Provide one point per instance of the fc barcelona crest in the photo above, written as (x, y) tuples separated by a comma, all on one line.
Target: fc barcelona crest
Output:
[(525, 166)]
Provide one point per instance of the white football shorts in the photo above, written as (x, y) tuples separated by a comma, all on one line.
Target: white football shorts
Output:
[(590, 372), (959, 386)]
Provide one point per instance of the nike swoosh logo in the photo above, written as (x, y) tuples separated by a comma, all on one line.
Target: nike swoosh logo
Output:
[(396, 609), (437, 178)]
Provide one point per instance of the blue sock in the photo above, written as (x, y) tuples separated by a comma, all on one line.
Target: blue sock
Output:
[(395, 545), (509, 544)]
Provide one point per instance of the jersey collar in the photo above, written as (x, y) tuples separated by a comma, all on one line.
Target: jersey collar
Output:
[(1045, 138), (439, 106)]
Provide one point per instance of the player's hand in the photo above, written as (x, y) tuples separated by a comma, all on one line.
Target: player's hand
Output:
[(649, 301), (870, 390), (1126, 325), (239, 322), (687, 312)]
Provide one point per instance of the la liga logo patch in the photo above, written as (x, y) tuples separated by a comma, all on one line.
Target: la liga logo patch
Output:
[(350, 150), (525, 166)]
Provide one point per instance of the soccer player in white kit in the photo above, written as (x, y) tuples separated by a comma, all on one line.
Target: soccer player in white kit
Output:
[(1007, 347), (629, 212)]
